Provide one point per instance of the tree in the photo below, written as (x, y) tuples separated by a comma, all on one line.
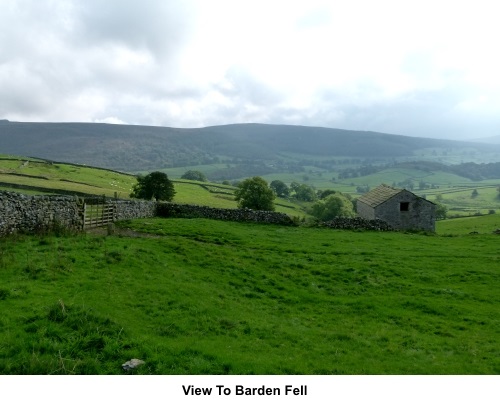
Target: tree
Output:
[(254, 193), (154, 185), (194, 175), (280, 188), (441, 211), (303, 192), (336, 205), (362, 189), (325, 193), (474, 193)]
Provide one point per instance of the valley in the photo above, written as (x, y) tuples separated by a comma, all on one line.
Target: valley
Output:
[(200, 296)]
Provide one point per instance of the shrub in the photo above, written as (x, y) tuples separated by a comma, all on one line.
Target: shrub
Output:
[(194, 175)]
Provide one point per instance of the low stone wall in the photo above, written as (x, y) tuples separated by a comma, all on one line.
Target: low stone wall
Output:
[(24, 213), (130, 209), (226, 214), (358, 224), (32, 214)]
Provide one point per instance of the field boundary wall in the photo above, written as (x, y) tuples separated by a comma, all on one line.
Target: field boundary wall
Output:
[(39, 213), (174, 210)]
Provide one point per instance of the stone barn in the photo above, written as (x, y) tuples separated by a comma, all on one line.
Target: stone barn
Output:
[(400, 208)]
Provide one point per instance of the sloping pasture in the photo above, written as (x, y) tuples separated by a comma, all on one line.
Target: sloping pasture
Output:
[(195, 296)]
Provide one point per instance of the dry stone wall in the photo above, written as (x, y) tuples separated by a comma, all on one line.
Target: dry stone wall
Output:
[(358, 224), (226, 214), (130, 209), (24, 213), (31, 214)]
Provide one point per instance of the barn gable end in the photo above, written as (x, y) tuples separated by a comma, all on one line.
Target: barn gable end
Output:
[(400, 208)]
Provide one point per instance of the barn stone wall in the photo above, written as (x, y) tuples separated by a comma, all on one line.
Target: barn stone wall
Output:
[(420, 214), (364, 210)]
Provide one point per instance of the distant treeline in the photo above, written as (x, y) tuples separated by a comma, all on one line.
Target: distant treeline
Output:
[(476, 171)]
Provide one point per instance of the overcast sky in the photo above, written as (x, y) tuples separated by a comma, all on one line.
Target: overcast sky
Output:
[(419, 68)]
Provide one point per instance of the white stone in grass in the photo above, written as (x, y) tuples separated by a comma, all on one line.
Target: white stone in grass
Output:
[(131, 364)]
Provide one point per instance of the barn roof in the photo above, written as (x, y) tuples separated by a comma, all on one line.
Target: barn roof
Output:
[(379, 195)]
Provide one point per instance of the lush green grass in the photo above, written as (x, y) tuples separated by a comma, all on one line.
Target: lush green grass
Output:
[(460, 226), (209, 297), (213, 195)]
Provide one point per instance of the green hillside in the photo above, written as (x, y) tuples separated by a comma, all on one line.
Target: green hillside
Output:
[(50, 177), (255, 149), (195, 296), (38, 176)]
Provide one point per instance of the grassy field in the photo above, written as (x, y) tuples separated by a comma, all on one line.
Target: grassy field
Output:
[(63, 177), (195, 296), (462, 202), (485, 224)]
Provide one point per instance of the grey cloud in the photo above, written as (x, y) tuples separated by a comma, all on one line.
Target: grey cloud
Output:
[(159, 26), (55, 52), (317, 17), (244, 86), (425, 113), (57, 56)]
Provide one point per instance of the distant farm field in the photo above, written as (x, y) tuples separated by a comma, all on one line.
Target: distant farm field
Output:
[(486, 224), (35, 176), (196, 296), (61, 177)]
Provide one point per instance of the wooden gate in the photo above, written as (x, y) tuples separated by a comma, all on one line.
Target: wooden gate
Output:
[(97, 212)]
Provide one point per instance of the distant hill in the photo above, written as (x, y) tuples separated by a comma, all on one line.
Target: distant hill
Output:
[(133, 148), (491, 140)]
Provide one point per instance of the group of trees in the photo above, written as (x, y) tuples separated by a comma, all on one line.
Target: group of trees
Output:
[(301, 192), (194, 175), (253, 193), (333, 206)]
